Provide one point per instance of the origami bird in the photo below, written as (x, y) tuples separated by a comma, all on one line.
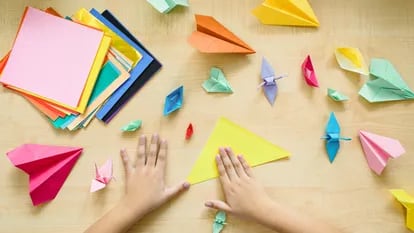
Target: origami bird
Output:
[(269, 81), (332, 137), (103, 176), (219, 222)]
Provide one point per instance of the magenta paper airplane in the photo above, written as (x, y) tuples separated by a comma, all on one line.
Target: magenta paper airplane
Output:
[(379, 149), (47, 167), (269, 81), (103, 176), (309, 72)]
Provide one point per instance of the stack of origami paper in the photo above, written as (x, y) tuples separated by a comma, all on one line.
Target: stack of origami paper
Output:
[(76, 68)]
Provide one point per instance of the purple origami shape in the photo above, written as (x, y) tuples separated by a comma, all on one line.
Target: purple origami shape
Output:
[(269, 81)]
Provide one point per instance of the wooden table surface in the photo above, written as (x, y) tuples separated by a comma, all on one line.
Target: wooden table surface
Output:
[(345, 193)]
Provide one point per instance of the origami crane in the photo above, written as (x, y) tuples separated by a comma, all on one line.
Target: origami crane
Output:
[(174, 101), (286, 12), (217, 82), (132, 126), (309, 72), (379, 149), (165, 6), (386, 84), (103, 176), (337, 96), (189, 132), (219, 222), (351, 59), (47, 167), (408, 202), (333, 136), (269, 81), (213, 37)]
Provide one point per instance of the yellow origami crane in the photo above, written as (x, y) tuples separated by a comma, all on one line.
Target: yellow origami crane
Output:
[(351, 59), (408, 202), (255, 150), (286, 12)]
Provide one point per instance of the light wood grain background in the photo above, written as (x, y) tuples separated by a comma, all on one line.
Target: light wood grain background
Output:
[(345, 193)]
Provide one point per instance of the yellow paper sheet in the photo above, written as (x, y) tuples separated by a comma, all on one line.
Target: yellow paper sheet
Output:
[(255, 150), (408, 202)]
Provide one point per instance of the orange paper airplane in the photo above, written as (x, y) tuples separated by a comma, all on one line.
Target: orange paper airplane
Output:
[(212, 37)]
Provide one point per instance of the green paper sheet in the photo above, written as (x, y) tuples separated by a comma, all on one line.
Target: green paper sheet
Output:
[(385, 84), (337, 96), (219, 222), (132, 126), (217, 82)]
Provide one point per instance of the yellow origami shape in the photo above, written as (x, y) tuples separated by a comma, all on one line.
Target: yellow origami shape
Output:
[(408, 202), (351, 59), (286, 12), (255, 150)]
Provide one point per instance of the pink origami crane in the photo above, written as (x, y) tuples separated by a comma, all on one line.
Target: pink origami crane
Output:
[(103, 176), (47, 167), (309, 72), (379, 149)]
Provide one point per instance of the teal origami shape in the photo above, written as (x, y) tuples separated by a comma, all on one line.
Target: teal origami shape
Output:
[(174, 101), (385, 84), (332, 137), (336, 95), (219, 222), (165, 6), (217, 82), (132, 126)]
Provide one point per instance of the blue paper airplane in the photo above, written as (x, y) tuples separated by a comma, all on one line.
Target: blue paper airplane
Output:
[(174, 101), (332, 137)]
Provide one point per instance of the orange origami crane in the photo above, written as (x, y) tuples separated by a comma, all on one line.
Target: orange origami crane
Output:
[(212, 37)]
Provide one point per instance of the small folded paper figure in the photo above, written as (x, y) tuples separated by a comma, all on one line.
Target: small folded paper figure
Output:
[(408, 202), (309, 72), (132, 126), (332, 137), (165, 6), (103, 176), (217, 82), (189, 132), (219, 222), (337, 96), (269, 81), (174, 101), (351, 59)]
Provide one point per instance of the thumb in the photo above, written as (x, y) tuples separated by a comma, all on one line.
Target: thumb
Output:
[(175, 190), (218, 205)]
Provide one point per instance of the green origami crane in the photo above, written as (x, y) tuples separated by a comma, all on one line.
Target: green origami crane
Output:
[(132, 126), (386, 84), (219, 222), (217, 82), (337, 96)]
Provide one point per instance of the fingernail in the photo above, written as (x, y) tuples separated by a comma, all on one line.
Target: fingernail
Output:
[(208, 204), (186, 185), (217, 158)]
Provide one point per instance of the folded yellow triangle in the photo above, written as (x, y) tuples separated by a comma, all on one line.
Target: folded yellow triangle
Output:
[(286, 12), (408, 202), (255, 150)]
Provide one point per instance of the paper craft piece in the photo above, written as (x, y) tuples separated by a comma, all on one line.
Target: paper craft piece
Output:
[(165, 6), (386, 84), (379, 149), (47, 47), (408, 202), (217, 82), (219, 222), (332, 137), (103, 176), (269, 81), (212, 37), (337, 96), (189, 132), (174, 101), (47, 167), (132, 126), (286, 12), (255, 150), (351, 59), (142, 72), (309, 73)]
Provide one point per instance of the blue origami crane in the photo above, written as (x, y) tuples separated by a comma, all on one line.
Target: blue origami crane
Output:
[(174, 101), (332, 137), (269, 81), (219, 222)]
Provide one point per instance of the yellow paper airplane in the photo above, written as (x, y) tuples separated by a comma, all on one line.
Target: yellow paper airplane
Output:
[(408, 202), (255, 150), (286, 12)]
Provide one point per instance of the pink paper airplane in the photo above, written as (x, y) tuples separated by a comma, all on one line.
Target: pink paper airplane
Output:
[(47, 167), (103, 176), (309, 72), (379, 149)]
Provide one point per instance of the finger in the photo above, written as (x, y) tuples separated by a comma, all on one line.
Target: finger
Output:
[(224, 179), (162, 156), (174, 191), (153, 150), (236, 163), (245, 165), (231, 173), (218, 205), (126, 162), (142, 148)]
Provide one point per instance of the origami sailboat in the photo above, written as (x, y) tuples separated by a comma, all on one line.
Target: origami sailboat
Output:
[(102, 177), (47, 167), (269, 81), (351, 59), (174, 101), (309, 72), (189, 132), (212, 37), (332, 137), (286, 12), (379, 149), (165, 6)]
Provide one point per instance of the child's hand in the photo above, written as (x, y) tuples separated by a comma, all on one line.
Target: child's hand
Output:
[(245, 197), (145, 178)]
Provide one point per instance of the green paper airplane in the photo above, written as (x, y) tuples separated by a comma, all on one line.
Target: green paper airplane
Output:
[(217, 82)]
